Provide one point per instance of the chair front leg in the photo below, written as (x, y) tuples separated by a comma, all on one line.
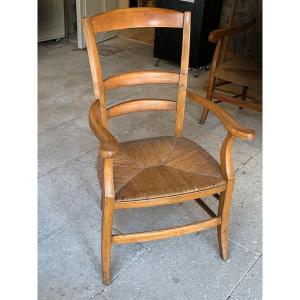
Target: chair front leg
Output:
[(210, 89), (106, 238), (226, 196), (224, 213), (244, 94), (108, 204), (212, 78)]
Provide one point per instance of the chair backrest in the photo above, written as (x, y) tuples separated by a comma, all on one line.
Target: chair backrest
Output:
[(137, 18)]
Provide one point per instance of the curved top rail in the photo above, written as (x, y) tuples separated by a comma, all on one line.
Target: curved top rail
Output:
[(136, 18)]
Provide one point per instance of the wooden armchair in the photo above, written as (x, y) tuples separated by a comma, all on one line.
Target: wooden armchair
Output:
[(228, 68), (155, 171)]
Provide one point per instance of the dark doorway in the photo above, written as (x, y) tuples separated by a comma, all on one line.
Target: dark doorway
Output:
[(133, 3)]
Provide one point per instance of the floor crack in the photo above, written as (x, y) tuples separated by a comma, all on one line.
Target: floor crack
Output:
[(238, 283)]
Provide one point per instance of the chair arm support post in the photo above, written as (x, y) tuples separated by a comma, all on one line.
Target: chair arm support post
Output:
[(109, 145), (226, 158), (228, 121), (108, 180)]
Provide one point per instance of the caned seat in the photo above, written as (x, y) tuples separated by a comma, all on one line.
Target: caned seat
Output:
[(161, 167), (161, 170), (242, 71)]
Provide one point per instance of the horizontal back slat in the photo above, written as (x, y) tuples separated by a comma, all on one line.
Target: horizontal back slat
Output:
[(136, 18), (140, 77), (139, 105)]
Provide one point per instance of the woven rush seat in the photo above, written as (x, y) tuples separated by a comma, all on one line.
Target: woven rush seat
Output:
[(161, 167), (242, 71)]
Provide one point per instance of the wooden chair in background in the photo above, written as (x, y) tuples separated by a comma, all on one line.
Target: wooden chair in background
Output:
[(162, 170), (230, 68)]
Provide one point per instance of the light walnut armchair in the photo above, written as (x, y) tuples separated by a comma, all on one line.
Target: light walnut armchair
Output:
[(162, 170)]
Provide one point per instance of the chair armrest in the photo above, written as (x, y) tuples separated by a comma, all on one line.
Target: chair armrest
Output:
[(109, 145), (215, 35), (228, 121)]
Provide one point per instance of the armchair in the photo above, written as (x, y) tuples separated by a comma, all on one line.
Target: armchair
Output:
[(163, 170)]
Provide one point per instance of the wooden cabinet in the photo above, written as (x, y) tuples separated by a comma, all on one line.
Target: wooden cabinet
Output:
[(51, 21)]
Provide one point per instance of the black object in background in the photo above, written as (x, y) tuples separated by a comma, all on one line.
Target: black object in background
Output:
[(206, 15), (133, 3)]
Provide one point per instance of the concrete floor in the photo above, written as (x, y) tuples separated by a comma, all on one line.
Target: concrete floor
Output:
[(187, 267)]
